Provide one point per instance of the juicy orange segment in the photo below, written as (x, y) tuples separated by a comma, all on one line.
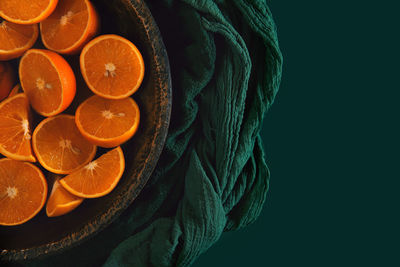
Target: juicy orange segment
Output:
[(72, 24), (15, 39), (48, 81), (112, 66), (60, 201), (59, 147), (107, 122), (15, 137), (6, 79), (99, 177), (26, 11), (23, 191)]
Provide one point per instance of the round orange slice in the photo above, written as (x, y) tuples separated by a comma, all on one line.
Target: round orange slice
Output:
[(48, 81), (98, 178), (72, 24), (59, 147), (107, 122), (6, 79), (23, 191), (112, 66), (15, 137), (60, 201), (15, 39), (26, 11)]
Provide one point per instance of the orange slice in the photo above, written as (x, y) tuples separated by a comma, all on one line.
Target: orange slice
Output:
[(72, 24), (16, 90), (60, 201), (99, 177), (107, 122), (23, 191), (15, 137), (15, 39), (6, 79), (112, 66), (26, 11), (48, 81), (59, 147)]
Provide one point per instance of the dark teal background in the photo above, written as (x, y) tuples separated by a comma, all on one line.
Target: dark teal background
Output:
[(331, 141)]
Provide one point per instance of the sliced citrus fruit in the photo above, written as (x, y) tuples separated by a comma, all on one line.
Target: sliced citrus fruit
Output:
[(98, 178), (72, 24), (15, 39), (6, 79), (23, 191), (59, 147), (60, 201), (107, 122), (48, 81), (112, 66), (16, 90), (26, 11), (15, 137)]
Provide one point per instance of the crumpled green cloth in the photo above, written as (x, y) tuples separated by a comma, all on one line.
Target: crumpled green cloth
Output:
[(212, 177)]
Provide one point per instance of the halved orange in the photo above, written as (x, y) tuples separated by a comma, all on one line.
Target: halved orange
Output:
[(59, 147), (60, 201), (98, 178), (7, 78), (72, 24), (48, 81), (15, 39), (26, 11), (15, 137), (23, 191), (107, 122), (16, 90), (112, 66)]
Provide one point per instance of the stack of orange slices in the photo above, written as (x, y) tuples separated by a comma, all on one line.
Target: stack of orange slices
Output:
[(39, 133)]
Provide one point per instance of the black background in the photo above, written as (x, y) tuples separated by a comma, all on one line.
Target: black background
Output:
[(331, 140)]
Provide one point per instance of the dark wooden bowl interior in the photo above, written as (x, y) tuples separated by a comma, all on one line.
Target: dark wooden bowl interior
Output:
[(43, 235)]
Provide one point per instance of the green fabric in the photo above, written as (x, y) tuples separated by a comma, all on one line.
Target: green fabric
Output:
[(212, 176)]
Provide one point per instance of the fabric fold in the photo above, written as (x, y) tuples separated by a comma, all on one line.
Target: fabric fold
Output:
[(226, 177)]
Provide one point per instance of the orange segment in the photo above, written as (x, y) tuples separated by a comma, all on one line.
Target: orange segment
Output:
[(6, 79), (107, 122), (15, 39), (23, 191), (15, 137), (59, 147), (48, 81), (26, 11), (98, 178), (60, 201), (112, 66), (70, 26), (16, 90)]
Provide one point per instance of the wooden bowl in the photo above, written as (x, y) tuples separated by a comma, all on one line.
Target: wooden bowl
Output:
[(42, 235)]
